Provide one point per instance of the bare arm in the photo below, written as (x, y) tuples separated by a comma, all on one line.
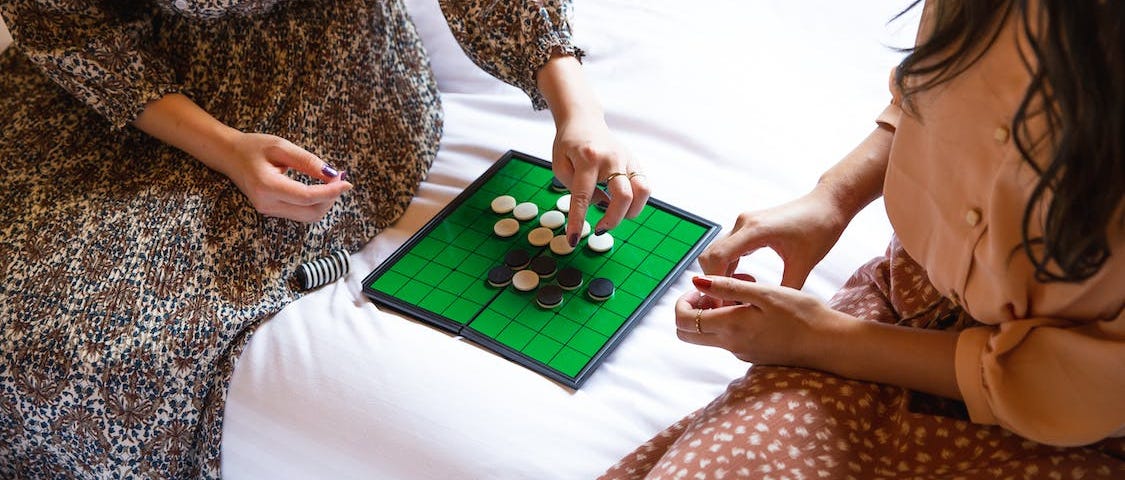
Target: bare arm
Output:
[(857, 179), (178, 121), (803, 230), (914, 358), (585, 152), (256, 163), (771, 325)]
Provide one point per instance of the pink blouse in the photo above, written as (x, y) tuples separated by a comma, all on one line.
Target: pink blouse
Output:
[(1049, 364)]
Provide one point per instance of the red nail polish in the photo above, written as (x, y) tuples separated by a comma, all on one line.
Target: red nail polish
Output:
[(701, 282)]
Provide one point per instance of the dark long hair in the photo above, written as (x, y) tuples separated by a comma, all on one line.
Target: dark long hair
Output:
[(1077, 86)]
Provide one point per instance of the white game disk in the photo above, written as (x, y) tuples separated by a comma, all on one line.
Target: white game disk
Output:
[(563, 203), (525, 211), (506, 227), (540, 236), (600, 243), (503, 204), (525, 280), (552, 219), (560, 246)]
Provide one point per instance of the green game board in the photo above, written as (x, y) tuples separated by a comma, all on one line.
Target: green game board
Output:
[(439, 276)]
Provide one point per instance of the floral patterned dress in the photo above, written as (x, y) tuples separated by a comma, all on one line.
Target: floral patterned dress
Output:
[(133, 274)]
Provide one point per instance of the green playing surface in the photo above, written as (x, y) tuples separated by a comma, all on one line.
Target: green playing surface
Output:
[(440, 275)]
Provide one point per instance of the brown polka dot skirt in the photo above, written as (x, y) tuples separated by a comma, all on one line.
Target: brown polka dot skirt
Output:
[(791, 423)]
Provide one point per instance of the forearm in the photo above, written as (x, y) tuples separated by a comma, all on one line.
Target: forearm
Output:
[(178, 121), (567, 91), (857, 179), (913, 358)]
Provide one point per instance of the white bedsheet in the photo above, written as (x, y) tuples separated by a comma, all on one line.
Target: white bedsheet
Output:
[(731, 105)]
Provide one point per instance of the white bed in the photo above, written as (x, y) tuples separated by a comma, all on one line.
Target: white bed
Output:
[(730, 104)]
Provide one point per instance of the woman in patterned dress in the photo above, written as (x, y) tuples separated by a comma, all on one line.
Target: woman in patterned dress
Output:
[(989, 342), (168, 164)]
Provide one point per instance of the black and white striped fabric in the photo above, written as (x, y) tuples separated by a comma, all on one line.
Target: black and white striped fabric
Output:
[(323, 270)]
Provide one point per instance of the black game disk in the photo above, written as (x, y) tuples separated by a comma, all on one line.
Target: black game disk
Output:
[(600, 289), (500, 276), (570, 278), (549, 296)]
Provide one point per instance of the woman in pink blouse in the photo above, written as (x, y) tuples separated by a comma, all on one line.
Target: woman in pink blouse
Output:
[(990, 340)]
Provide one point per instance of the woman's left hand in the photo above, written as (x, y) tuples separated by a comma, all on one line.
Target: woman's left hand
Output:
[(762, 324)]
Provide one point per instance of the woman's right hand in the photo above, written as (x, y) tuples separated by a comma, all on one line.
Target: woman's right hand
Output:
[(257, 163), (258, 166), (801, 232)]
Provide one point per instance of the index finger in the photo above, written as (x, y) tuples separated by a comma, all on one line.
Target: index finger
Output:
[(583, 184), (721, 257), (736, 289)]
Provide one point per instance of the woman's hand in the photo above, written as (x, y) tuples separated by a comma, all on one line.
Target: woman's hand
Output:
[(256, 163), (771, 325), (801, 231), (762, 324), (258, 166), (585, 152)]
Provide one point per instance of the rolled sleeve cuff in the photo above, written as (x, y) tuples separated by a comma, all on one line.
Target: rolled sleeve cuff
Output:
[(890, 116), (553, 37), (971, 344), (548, 48)]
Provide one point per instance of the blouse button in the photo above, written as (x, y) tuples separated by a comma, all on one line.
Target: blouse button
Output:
[(181, 4), (972, 217), (1001, 134)]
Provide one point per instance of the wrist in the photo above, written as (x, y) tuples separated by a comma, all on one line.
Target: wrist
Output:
[(568, 94), (857, 179), (215, 145), (179, 122), (834, 208), (819, 348)]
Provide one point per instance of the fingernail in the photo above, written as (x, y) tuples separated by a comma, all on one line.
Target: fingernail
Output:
[(572, 240), (701, 282), (343, 175), (600, 231), (328, 171)]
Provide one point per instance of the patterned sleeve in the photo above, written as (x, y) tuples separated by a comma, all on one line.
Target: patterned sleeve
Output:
[(96, 55), (513, 39)]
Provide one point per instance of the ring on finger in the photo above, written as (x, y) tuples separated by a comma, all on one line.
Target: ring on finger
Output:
[(615, 175), (698, 318), (632, 175)]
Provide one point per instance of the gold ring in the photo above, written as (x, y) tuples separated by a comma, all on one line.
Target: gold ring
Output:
[(615, 175), (630, 175), (698, 314)]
